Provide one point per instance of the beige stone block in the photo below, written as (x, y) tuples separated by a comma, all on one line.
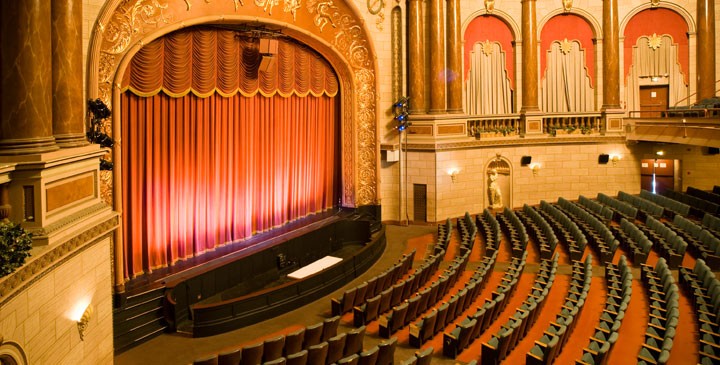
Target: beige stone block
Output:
[(579, 171), (570, 164), (40, 292), (65, 274), (32, 325), (579, 157)]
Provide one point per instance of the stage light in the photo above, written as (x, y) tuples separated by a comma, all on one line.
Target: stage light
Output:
[(106, 165), (402, 102)]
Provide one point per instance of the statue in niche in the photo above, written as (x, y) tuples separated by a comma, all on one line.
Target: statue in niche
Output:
[(494, 190)]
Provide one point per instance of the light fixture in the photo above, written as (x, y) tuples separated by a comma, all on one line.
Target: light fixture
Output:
[(535, 168), (84, 320), (453, 172), (660, 153), (615, 158)]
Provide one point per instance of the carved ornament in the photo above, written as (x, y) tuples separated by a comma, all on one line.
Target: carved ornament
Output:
[(487, 48), (565, 46), (654, 41), (489, 6), (567, 5)]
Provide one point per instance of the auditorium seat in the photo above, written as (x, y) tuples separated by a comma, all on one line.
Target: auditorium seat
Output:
[(273, 348), (317, 354), (298, 358), (369, 357), (252, 354), (386, 352), (278, 361), (345, 303), (336, 347), (208, 360), (313, 334), (229, 357), (353, 359), (424, 356), (330, 326), (354, 342), (423, 329), (294, 342)]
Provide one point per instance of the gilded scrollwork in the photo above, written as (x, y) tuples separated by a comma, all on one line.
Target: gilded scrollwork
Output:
[(325, 12), (267, 5), (292, 6), (130, 19)]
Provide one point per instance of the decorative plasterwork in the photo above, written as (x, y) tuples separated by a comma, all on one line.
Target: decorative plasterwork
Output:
[(654, 41), (325, 23), (567, 5), (377, 7), (487, 48), (565, 46), (489, 6)]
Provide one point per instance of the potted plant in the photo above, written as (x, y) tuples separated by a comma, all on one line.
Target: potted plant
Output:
[(15, 245)]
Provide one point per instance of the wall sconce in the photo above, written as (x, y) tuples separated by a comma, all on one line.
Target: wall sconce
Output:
[(83, 322), (535, 168), (453, 174), (660, 153), (615, 159)]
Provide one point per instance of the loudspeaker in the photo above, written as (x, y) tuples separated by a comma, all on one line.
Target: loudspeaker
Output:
[(603, 158), (525, 160), (268, 46), (267, 63), (713, 150)]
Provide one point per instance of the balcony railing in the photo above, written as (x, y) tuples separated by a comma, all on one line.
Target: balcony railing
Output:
[(586, 123), (497, 125)]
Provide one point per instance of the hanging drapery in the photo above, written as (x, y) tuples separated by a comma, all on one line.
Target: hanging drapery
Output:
[(488, 84), (656, 56), (208, 160), (566, 87)]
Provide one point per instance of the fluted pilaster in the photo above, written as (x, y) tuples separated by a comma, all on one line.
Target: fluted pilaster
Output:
[(67, 74), (611, 55), (25, 78), (530, 57), (706, 49), (438, 76), (454, 58), (416, 57)]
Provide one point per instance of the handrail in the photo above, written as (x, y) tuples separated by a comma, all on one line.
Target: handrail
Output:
[(693, 94), (678, 113)]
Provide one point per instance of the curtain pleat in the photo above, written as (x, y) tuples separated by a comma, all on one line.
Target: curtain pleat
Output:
[(566, 87), (488, 85), (203, 61), (201, 172)]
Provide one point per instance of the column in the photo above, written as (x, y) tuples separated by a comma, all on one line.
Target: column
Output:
[(611, 56), (438, 77), (25, 78), (706, 49), (454, 58), (68, 117), (416, 58), (529, 57)]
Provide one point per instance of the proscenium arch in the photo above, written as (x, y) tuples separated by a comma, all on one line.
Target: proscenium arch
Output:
[(335, 30)]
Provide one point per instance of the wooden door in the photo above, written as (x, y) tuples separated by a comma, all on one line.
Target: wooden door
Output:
[(659, 172), (419, 202), (653, 100)]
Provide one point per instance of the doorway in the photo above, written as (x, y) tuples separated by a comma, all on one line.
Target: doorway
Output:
[(653, 100), (658, 175), (420, 202)]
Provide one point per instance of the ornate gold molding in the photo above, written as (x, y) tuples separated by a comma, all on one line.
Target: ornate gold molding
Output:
[(654, 41)]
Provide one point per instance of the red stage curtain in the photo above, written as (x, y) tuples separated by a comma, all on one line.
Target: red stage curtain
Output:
[(207, 160)]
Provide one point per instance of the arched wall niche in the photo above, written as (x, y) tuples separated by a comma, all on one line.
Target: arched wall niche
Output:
[(334, 29), (504, 170), (11, 353)]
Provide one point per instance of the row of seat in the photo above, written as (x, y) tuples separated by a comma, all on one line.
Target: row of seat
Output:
[(716, 189), (701, 242), (407, 311), (598, 234), (672, 207), (443, 235), (704, 287), (633, 241), (438, 318), (421, 357), (565, 229), (712, 224), (525, 316), (618, 279), (540, 231), (602, 212), (549, 345), (698, 206), (490, 231), (663, 307), (289, 346), (393, 296), (666, 242), (515, 231), (620, 209), (361, 293), (702, 194), (644, 206)]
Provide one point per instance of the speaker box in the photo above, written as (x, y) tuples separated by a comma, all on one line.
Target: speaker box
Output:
[(603, 158), (713, 150), (525, 160)]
